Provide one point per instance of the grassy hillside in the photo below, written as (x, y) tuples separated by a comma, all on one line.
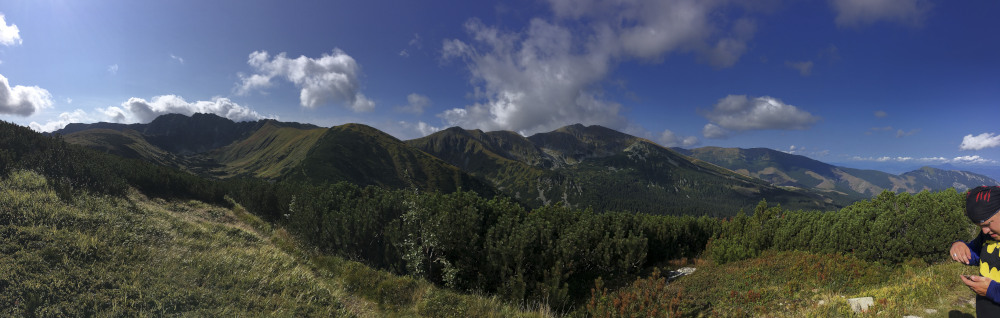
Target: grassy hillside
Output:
[(793, 284), (363, 155), (126, 143), (135, 256), (131, 144), (271, 152)]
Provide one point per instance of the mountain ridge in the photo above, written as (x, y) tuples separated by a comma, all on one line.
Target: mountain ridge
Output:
[(217, 147), (576, 165), (844, 183), (594, 166)]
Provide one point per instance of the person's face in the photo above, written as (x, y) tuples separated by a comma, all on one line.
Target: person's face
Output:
[(991, 227)]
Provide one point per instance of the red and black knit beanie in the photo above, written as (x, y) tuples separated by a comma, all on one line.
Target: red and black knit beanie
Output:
[(982, 203)]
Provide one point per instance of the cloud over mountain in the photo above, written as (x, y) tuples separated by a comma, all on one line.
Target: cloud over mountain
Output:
[(670, 139), (530, 82), (552, 73), (143, 111), (981, 141), (65, 118), (740, 113), (329, 78), (138, 110)]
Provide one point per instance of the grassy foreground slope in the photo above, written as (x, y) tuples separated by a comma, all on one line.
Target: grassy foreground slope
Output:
[(134, 256), (794, 284)]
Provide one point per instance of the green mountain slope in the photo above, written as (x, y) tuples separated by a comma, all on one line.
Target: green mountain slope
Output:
[(366, 156), (128, 143), (180, 134), (131, 144), (575, 143), (933, 179), (604, 169), (843, 184), (214, 146), (271, 152), (506, 159)]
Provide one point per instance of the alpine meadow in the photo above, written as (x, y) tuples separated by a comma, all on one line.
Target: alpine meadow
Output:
[(516, 158)]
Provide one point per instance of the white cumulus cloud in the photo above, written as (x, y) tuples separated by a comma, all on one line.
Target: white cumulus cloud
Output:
[(552, 73), (857, 13), (648, 29), (22, 100), (9, 34), (66, 118), (329, 78), (740, 113), (530, 83), (981, 141), (415, 104), (670, 139), (973, 160), (713, 131)]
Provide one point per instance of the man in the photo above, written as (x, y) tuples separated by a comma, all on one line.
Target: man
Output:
[(981, 206)]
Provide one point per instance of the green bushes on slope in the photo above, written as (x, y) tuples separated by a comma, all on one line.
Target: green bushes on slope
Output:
[(890, 228)]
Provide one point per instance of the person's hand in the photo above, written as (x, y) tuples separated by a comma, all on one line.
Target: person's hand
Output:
[(977, 284), (960, 253)]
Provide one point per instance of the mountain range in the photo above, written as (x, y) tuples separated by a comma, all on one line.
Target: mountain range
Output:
[(580, 166), (600, 168), (841, 183)]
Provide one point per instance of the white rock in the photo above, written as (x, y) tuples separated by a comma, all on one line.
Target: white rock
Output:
[(683, 271), (930, 311), (861, 304)]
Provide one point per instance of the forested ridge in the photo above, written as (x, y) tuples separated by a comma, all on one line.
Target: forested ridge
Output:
[(550, 255), (600, 168)]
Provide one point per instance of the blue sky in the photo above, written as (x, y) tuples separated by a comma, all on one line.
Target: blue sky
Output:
[(865, 82)]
